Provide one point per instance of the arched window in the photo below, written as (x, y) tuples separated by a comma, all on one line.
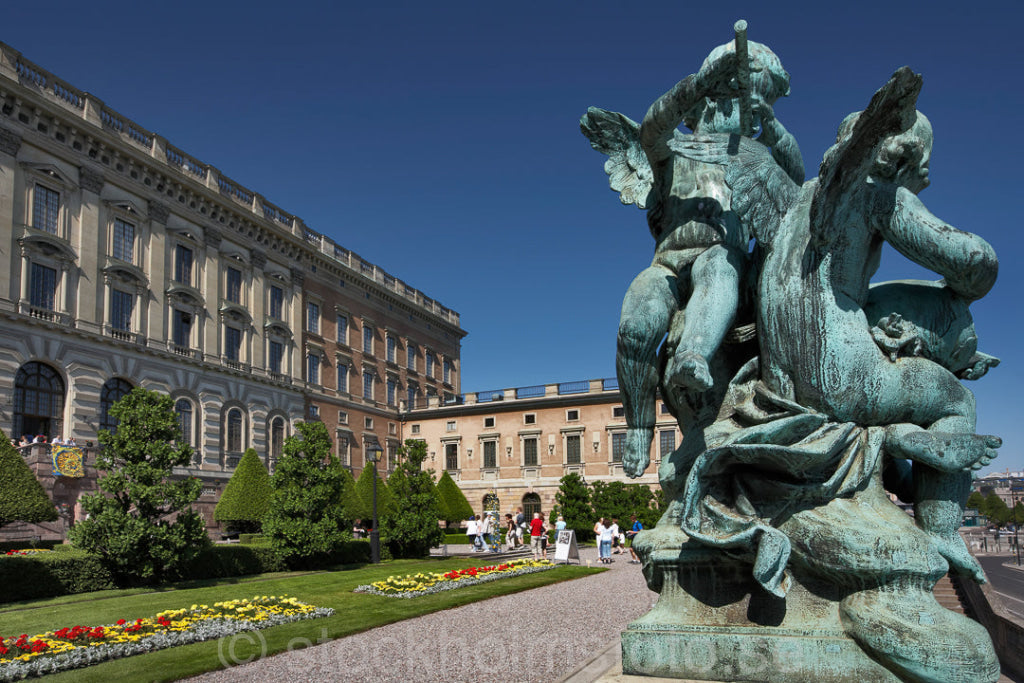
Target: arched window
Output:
[(113, 391), (183, 408), (233, 441), (276, 438), (531, 504), (38, 401)]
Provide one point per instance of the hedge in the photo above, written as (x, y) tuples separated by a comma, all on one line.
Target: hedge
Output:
[(48, 575)]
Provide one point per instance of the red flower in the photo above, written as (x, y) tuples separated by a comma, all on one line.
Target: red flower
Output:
[(121, 622)]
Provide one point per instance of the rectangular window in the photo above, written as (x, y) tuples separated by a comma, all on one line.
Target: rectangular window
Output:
[(181, 328), (183, 265), (572, 416), (121, 310), (391, 348), (392, 428), (343, 330), (664, 409), (45, 209), (410, 356), (618, 446), (234, 286), (530, 419), (313, 368), (415, 429), (392, 455), (276, 353), (410, 392), (312, 317), (488, 423), (314, 411), (490, 454), (124, 241), (451, 456), (367, 423), (342, 378), (368, 386), (449, 426), (342, 417), (232, 342), (367, 338), (666, 442), (276, 303), (618, 411), (392, 386), (572, 449), (530, 452), (42, 287), (343, 452), (446, 371), (430, 364)]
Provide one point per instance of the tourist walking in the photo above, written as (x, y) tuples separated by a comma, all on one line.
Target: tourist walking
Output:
[(603, 532), (616, 545), (473, 532), (537, 530), (510, 531), (631, 538)]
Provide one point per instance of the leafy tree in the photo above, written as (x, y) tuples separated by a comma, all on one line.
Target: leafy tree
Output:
[(616, 499), (455, 505), (409, 527), (141, 522), (364, 496), (246, 498), (975, 501), (573, 499), (22, 497), (304, 521), (996, 510)]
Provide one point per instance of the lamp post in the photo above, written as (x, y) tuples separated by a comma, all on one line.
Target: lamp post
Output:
[(1016, 526), (373, 457)]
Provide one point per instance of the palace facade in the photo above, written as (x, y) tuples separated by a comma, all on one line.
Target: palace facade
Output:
[(132, 263)]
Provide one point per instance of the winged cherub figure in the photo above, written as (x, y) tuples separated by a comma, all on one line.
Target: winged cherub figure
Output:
[(824, 243), (701, 246)]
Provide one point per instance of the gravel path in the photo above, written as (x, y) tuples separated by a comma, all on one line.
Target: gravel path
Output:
[(551, 631)]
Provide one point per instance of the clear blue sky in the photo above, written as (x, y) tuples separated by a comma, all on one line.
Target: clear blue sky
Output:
[(440, 140)]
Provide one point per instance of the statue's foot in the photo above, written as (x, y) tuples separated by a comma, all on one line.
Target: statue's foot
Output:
[(689, 369), (949, 452), (638, 450), (952, 547)]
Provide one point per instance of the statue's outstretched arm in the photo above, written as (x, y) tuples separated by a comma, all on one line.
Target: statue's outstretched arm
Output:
[(665, 115), (967, 262), (785, 150)]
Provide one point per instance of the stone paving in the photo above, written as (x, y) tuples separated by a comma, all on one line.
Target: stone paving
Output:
[(541, 635)]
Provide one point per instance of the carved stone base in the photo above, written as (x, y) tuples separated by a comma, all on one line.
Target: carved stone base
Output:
[(713, 622)]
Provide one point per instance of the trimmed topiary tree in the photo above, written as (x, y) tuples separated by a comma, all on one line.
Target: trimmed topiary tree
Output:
[(454, 505), (246, 498), (304, 522), (409, 528), (141, 523), (364, 496), (22, 497)]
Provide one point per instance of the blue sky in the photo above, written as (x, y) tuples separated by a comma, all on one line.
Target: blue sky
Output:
[(440, 140)]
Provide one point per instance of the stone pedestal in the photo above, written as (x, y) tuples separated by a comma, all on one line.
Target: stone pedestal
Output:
[(713, 622)]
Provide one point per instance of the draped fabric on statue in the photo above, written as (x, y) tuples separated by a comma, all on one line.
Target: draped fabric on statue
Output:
[(771, 458)]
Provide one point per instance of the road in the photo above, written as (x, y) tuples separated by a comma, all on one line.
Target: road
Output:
[(1007, 582)]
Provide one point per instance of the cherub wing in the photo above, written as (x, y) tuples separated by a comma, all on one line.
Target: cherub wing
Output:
[(846, 164), (761, 191), (618, 136)]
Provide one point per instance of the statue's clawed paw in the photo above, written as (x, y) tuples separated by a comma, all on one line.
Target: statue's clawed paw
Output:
[(638, 451)]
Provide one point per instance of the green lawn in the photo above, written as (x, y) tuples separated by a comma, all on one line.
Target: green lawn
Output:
[(355, 613)]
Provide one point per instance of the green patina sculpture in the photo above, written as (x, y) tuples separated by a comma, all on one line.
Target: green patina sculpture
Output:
[(804, 392)]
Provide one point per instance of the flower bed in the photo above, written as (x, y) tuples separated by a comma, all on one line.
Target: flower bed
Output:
[(78, 646), (413, 585), (28, 551)]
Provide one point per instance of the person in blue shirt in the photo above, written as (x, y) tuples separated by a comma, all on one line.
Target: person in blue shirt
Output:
[(631, 536)]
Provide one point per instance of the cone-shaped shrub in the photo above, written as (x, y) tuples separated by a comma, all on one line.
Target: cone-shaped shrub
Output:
[(246, 498), (22, 497)]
